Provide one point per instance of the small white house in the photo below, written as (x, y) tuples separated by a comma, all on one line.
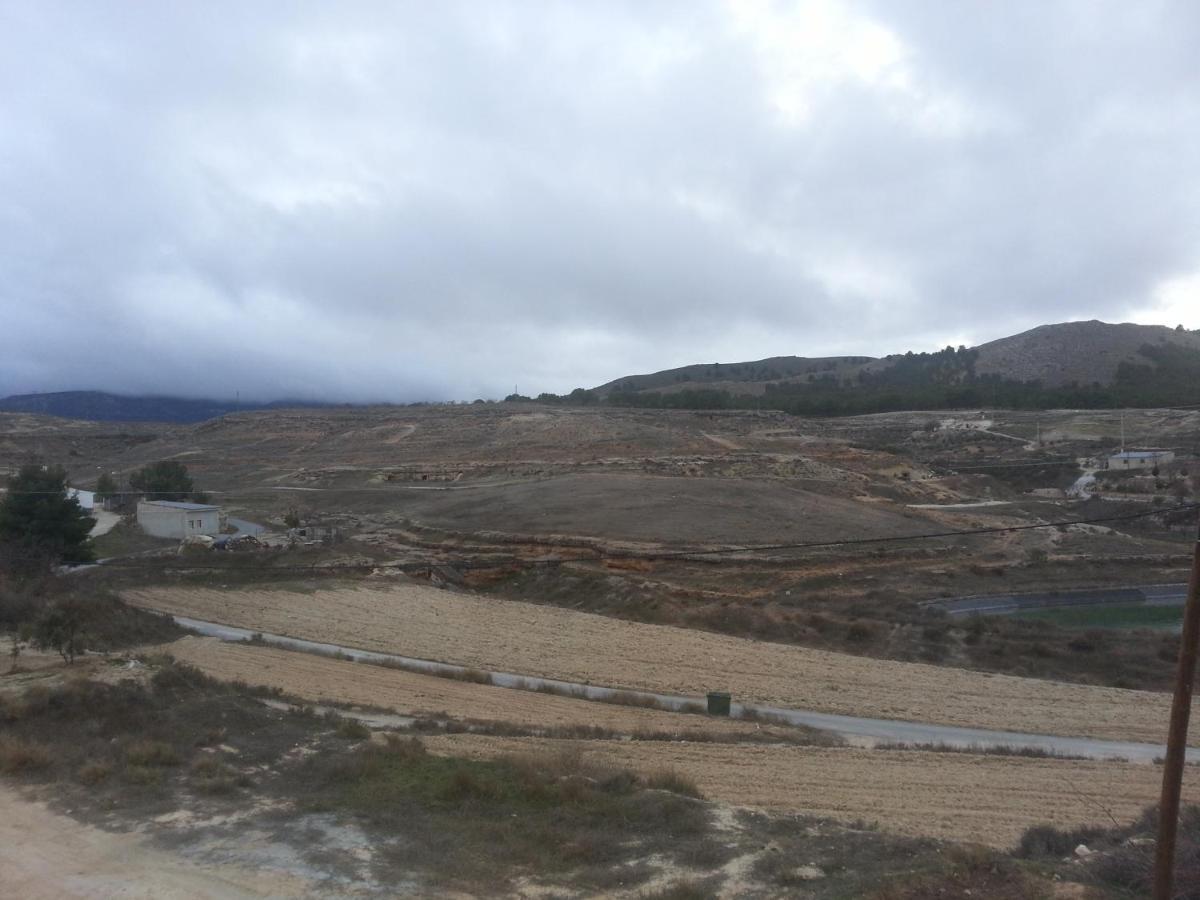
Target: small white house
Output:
[(87, 499), (1140, 459), (169, 519)]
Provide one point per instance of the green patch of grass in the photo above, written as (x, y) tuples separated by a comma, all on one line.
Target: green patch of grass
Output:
[(1115, 616), (126, 538)]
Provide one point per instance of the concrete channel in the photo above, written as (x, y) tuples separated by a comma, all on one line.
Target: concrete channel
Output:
[(858, 731)]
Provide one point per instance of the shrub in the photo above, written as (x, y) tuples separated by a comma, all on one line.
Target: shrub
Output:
[(93, 773), (353, 730), (17, 755), (143, 775), (683, 890), (674, 781), (860, 633), (151, 753), (1040, 841)]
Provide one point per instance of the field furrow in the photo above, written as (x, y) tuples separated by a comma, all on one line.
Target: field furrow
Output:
[(525, 638)]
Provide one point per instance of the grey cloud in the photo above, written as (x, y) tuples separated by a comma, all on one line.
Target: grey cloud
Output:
[(407, 201)]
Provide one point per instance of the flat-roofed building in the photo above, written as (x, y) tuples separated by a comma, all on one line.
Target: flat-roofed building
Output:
[(1140, 459), (171, 519)]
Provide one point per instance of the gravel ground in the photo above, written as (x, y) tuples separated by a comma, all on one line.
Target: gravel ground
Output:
[(47, 856)]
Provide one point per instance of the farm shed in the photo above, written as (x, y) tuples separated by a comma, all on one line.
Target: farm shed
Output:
[(169, 519), (1140, 459)]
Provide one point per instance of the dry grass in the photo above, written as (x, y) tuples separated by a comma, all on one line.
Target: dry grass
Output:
[(94, 773), (18, 755), (582, 648), (151, 753), (674, 781), (979, 750), (969, 871)]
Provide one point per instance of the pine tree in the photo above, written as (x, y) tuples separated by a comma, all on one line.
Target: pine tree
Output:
[(40, 523)]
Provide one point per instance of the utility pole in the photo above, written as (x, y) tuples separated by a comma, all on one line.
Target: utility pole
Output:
[(1181, 707)]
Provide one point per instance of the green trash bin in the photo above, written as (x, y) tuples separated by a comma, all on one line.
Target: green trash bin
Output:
[(718, 703)]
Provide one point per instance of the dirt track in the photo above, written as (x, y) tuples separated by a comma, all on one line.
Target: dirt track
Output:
[(425, 622), (47, 856), (319, 679), (989, 799)]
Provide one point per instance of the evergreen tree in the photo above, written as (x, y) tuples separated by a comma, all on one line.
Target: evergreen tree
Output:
[(38, 521), (163, 480)]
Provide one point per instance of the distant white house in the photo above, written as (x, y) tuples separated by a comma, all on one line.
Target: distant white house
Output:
[(169, 519), (87, 499), (1140, 459)]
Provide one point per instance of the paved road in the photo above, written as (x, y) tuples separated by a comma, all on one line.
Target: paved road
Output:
[(105, 522), (1005, 604), (857, 730), (244, 527)]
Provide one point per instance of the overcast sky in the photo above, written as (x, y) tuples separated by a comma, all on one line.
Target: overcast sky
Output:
[(399, 201)]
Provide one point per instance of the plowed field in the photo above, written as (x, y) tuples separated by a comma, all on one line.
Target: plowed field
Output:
[(961, 797), (525, 638), (317, 678)]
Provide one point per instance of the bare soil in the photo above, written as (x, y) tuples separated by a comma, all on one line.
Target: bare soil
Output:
[(428, 623), (962, 797), (45, 855), (318, 679)]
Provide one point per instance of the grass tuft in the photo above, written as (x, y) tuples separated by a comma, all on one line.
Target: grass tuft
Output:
[(18, 755), (93, 773), (151, 753)]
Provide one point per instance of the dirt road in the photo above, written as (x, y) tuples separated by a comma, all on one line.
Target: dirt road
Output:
[(988, 799), (428, 623), (319, 679), (47, 856)]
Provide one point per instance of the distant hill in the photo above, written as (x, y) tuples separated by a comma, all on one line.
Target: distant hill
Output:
[(738, 377), (1076, 352), (98, 406), (1083, 353), (1070, 365)]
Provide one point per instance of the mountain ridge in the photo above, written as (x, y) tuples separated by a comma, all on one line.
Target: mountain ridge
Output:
[(1055, 355), (101, 406)]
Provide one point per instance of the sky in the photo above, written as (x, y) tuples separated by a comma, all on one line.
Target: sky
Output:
[(442, 201)]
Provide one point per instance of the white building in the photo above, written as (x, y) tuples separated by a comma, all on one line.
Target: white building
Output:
[(1140, 459), (87, 499), (168, 519)]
